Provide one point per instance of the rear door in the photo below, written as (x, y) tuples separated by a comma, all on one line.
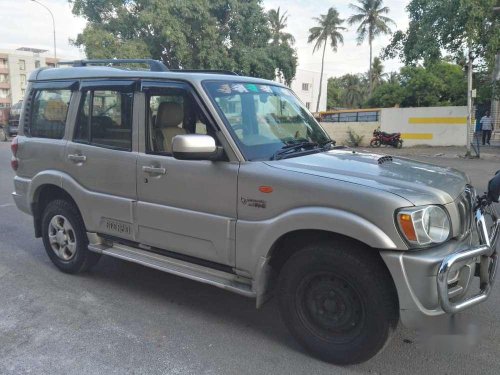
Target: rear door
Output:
[(188, 207), (101, 156)]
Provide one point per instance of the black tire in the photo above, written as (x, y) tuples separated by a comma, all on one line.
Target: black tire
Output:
[(375, 143), (82, 259), (339, 301)]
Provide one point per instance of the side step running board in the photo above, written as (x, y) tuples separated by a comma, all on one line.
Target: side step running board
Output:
[(176, 267)]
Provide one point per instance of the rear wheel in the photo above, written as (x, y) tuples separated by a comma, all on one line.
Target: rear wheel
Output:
[(375, 143), (338, 301), (65, 237)]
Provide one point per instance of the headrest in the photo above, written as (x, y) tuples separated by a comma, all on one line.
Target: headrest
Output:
[(55, 110), (170, 115)]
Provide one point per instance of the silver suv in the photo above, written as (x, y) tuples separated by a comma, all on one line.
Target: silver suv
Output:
[(230, 181)]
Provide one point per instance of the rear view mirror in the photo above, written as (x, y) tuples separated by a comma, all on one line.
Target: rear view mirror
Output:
[(195, 147), (494, 188)]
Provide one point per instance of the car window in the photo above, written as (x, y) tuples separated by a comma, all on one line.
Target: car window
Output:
[(105, 119), (172, 112), (49, 111)]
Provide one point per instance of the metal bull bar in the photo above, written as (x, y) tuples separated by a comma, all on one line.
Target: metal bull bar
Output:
[(488, 264)]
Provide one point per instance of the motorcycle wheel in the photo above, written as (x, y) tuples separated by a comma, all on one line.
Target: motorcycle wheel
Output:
[(375, 143), (399, 144)]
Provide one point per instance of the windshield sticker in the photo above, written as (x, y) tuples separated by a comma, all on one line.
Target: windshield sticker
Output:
[(267, 89), (238, 87), (225, 89), (251, 87)]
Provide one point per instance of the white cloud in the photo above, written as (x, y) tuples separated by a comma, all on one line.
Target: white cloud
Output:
[(24, 23)]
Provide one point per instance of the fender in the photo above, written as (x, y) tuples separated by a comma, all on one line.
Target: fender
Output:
[(255, 239)]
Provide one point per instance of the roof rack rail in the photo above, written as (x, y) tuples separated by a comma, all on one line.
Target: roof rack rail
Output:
[(208, 71), (154, 65)]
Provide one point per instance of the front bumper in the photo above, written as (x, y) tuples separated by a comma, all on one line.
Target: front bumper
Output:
[(434, 283)]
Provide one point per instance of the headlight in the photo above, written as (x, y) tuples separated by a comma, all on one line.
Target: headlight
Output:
[(422, 226)]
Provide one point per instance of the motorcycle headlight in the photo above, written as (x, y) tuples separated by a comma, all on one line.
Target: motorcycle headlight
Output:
[(424, 226)]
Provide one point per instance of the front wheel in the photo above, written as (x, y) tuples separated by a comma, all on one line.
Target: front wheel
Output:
[(399, 143), (338, 300), (375, 143), (65, 237)]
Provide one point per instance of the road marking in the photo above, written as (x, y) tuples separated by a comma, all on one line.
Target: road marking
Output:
[(6, 205)]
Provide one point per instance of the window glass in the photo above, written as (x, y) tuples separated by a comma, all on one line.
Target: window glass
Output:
[(172, 112), (22, 65), (265, 118), (105, 119), (50, 108)]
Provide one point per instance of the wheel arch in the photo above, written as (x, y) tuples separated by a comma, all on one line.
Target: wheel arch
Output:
[(43, 195)]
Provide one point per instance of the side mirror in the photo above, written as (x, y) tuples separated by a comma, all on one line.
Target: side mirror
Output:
[(195, 147), (494, 188)]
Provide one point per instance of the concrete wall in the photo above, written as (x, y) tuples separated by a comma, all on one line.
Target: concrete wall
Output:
[(436, 126), (338, 131)]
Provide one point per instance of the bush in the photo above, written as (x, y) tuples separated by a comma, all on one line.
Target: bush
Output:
[(353, 139)]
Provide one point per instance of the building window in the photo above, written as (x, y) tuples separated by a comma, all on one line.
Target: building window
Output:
[(4, 93), (23, 91), (51, 65), (305, 86), (308, 105), (4, 78), (3, 63), (23, 79), (22, 65), (37, 64)]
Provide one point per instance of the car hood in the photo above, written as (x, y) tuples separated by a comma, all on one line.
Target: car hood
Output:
[(419, 183)]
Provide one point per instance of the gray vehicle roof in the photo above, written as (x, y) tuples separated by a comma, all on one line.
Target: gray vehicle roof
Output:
[(89, 72)]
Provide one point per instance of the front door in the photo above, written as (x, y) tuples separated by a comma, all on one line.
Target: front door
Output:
[(188, 207)]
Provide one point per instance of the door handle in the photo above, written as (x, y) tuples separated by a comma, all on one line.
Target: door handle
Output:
[(77, 158), (154, 170)]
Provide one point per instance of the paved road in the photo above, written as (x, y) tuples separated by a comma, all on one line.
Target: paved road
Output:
[(124, 318)]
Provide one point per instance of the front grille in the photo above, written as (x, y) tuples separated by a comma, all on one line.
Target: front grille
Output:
[(465, 206)]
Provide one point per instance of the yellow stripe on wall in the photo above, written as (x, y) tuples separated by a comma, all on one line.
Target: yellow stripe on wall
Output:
[(438, 120), (417, 135)]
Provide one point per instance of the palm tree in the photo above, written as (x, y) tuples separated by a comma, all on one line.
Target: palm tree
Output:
[(372, 22), (328, 28), (353, 90), (378, 74), (278, 23)]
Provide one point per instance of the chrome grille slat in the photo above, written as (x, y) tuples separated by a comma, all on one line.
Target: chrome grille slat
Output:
[(465, 205)]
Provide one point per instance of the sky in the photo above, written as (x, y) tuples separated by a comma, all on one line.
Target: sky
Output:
[(24, 23)]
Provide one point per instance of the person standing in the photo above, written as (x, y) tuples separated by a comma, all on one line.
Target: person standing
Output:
[(486, 127)]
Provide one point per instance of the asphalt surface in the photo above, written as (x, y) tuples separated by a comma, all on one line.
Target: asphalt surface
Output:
[(124, 318)]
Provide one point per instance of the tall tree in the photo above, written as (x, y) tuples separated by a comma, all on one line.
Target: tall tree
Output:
[(278, 23), (197, 34), (372, 22), (329, 27), (378, 75), (353, 94)]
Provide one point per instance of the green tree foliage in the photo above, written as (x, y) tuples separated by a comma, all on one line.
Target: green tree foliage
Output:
[(190, 34), (329, 28), (439, 84), (377, 73), (372, 22), (278, 22), (447, 25)]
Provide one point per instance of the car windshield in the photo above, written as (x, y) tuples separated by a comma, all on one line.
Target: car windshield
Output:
[(266, 120)]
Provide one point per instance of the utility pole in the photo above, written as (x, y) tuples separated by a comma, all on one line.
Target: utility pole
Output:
[(469, 102), (53, 27)]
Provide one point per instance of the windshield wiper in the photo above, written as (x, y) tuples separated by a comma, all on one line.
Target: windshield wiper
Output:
[(292, 148)]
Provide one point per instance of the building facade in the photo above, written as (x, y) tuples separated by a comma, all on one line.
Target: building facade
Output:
[(15, 69), (306, 85)]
